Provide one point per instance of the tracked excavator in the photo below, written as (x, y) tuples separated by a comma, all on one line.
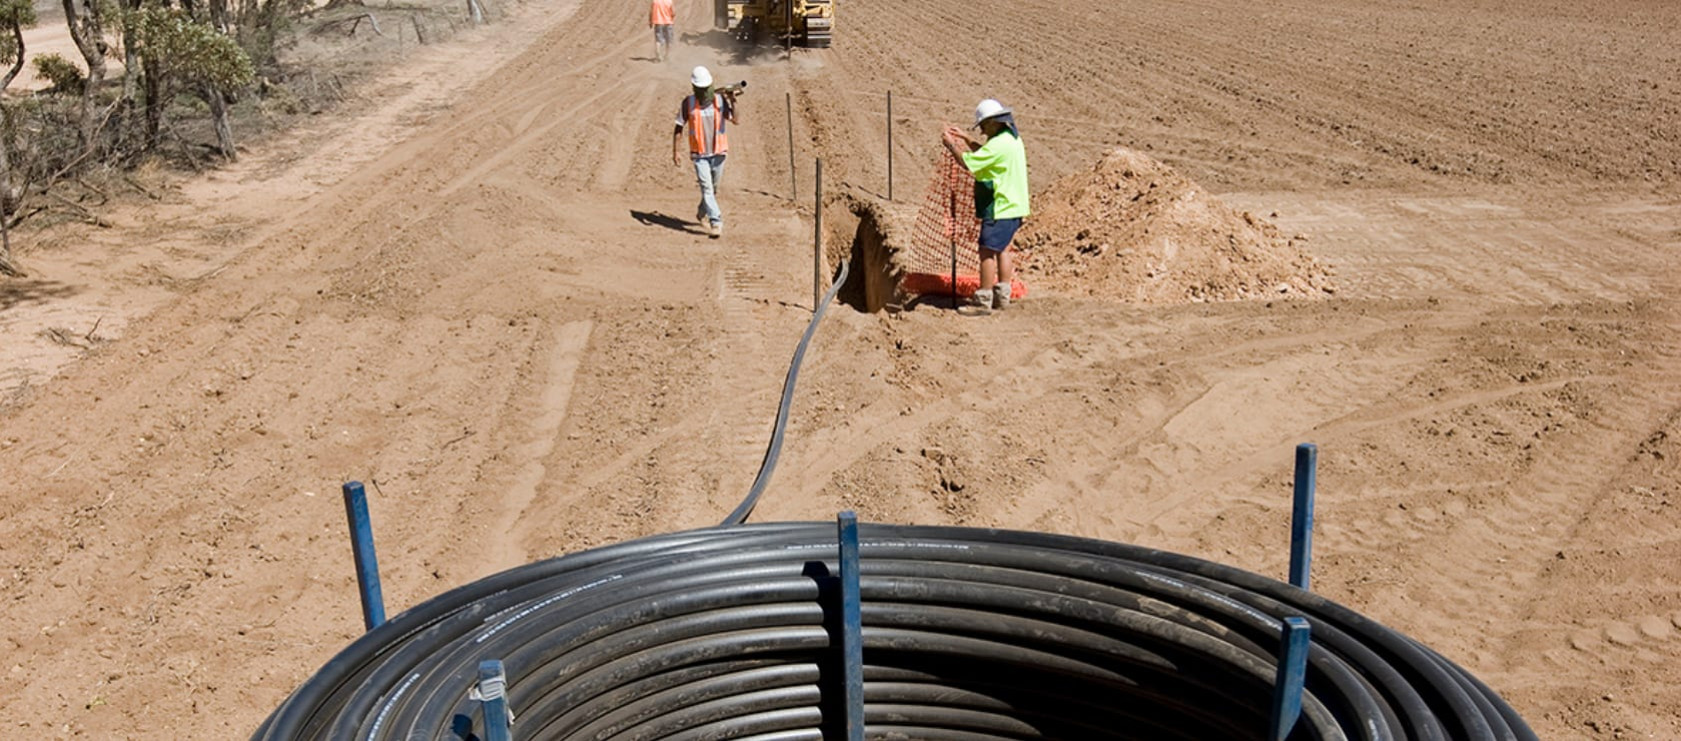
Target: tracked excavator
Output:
[(805, 22)]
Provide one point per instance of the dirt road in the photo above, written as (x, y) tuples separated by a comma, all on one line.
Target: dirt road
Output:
[(488, 300)]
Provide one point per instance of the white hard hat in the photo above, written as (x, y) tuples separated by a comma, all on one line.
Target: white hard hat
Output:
[(989, 108), (701, 77)]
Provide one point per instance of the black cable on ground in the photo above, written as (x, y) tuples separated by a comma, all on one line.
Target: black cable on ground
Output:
[(774, 450), (969, 634)]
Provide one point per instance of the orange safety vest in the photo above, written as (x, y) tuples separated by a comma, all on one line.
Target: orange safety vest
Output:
[(660, 13), (697, 134)]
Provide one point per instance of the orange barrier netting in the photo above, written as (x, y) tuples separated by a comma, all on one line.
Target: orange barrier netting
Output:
[(946, 224)]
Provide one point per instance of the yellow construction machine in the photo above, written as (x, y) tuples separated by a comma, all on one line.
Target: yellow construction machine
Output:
[(805, 22)]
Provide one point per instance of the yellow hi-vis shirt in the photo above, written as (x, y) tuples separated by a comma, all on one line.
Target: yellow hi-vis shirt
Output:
[(1000, 169)]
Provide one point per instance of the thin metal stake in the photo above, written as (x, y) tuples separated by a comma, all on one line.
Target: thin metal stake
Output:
[(954, 298), (493, 697), (793, 182), (852, 625), (890, 145), (1287, 687), (362, 549), (817, 244), (1301, 514)]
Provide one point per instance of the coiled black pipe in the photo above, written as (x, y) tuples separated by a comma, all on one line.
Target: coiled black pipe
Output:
[(968, 634)]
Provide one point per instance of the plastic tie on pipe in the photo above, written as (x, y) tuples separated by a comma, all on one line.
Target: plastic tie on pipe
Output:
[(494, 688), (489, 689)]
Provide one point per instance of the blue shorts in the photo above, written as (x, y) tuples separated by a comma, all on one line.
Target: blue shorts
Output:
[(997, 233), (662, 34)]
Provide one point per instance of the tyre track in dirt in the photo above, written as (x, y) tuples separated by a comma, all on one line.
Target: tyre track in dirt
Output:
[(1506, 530), (1097, 362), (567, 347), (1512, 472), (1172, 461), (1618, 556)]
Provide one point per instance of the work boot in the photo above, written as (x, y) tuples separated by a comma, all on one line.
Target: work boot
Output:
[(981, 299), (717, 230), (1001, 296)]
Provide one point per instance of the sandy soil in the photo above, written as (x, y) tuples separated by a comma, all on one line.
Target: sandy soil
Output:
[(484, 297), (1133, 229)]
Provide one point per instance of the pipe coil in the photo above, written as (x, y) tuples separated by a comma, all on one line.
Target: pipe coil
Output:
[(733, 632)]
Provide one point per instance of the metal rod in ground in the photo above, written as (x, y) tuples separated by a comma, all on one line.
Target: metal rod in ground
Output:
[(362, 549), (890, 145), (1301, 514), (1295, 638), (817, 243), (954, 297), (493, 697), (793, 182), (852, 625)]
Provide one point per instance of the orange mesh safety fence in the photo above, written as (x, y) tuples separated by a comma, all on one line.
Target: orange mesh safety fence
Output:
[(946, 222), (946, 227)]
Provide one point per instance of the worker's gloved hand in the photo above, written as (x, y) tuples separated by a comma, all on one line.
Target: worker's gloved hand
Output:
[(954, 139)]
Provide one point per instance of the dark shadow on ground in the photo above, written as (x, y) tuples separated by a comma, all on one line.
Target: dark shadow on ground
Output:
[(932, 301), (655, 218), (462, 727), (18, 292), (733, 49)]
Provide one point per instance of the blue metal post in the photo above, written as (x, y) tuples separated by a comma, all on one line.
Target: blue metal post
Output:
[(1292, 677), (1301, 514), (852, 626), (493, 685), (362, 547)]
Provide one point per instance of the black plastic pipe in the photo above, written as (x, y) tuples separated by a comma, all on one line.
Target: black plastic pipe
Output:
[(729, 633)]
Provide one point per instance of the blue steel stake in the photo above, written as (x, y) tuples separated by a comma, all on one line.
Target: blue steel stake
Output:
[(852, 626), (1301, 514), (492, 695), (362, 548), (1292, 677)]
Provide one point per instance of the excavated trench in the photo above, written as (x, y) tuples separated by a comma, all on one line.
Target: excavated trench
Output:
[(863, 231)]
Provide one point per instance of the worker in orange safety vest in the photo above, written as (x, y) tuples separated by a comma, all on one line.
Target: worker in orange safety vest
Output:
[(659, 18), (705, 115)]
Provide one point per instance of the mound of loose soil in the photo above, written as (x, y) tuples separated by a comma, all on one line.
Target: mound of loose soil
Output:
[(1133, 229)]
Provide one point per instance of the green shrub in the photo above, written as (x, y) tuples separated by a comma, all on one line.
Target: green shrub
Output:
[(190, 52), (64, 75)]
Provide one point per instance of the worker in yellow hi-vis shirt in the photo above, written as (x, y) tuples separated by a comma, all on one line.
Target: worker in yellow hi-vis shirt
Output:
[(1001, 202)]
